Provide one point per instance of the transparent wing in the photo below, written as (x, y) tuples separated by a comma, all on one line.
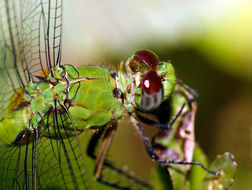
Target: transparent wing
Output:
[(41, 39), (59, 153), (30, 46), (30, 43), (51, 159)]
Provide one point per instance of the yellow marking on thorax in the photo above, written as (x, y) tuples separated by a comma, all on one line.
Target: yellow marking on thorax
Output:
[(16, 100)]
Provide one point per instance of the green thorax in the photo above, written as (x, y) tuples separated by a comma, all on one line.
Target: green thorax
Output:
[(91, 95), (88, 91), (41, 97)]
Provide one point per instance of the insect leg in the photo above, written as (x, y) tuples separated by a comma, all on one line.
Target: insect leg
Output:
[(189, 89), (93, 143), (189, 101), (103, 150), (140, 131), (101, 157), (165, 127)]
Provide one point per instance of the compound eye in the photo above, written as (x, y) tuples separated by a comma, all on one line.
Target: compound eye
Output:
[(143, 59), (152, 91), (151, 83)]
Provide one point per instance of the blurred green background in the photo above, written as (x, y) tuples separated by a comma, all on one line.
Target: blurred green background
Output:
[(210, 45)]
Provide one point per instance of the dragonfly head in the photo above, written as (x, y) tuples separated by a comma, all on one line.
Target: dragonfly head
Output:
[(154, 80)]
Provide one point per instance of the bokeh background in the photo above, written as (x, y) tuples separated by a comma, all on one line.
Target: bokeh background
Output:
[(210, 45)]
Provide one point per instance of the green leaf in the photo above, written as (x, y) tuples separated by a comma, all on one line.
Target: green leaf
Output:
[(161, 180), (197, 174), (227, 165)]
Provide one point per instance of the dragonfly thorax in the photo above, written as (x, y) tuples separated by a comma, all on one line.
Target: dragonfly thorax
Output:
[(42, 96)]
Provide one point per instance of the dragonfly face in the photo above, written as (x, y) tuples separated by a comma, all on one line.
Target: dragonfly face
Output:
[(154, 80)]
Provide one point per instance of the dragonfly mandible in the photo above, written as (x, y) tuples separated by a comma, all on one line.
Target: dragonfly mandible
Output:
[(45, 105)]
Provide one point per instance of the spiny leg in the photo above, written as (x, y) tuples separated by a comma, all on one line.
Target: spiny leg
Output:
[(93, 143), (103, 150), (189, 100), (189, 89), (100, 162), (153, 155)]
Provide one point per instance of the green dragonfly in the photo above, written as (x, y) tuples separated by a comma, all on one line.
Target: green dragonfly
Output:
[(46, 106)]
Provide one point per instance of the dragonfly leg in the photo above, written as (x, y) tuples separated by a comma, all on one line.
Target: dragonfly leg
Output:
[(140, 131), (93, 142), (189, 89), (101, 157), (189, 101), (104, 149)]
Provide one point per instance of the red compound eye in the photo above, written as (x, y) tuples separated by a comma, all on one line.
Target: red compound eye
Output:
[(143, 59), (148, 57), (151, 83)]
